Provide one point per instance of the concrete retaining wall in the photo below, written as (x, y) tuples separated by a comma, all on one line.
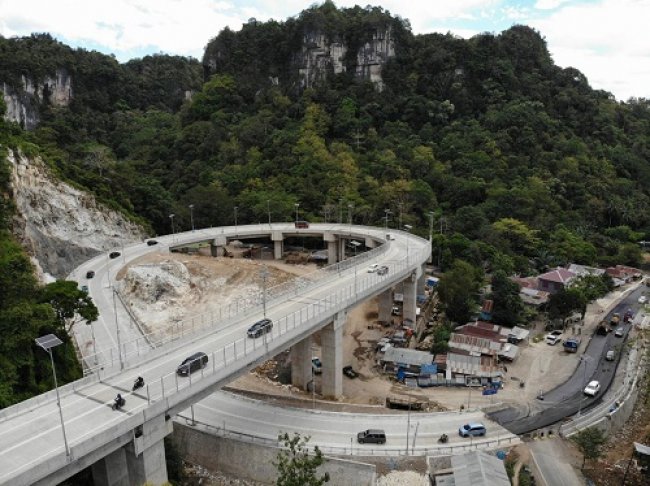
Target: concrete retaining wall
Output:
[(255, 462)]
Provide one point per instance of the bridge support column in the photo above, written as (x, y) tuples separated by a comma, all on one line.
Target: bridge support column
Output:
[(112, 470), (278, 244), (332, 253), (410, 301), (332, 348), (145, 456), (422, 279), (385, 305), (218, 246), (301, 373), (341, 246)]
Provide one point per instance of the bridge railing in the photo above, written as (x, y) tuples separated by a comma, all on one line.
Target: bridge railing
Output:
[(284, 329), (224, 316)]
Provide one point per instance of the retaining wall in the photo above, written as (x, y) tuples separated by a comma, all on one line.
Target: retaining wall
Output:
[(254, 461)]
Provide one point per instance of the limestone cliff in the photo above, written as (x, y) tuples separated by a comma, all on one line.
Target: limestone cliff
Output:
[(23, 102), (61, 226)]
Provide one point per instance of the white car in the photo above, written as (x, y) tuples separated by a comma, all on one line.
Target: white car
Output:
[(373, 268), (592, 388), (643, 299), (554, 337)]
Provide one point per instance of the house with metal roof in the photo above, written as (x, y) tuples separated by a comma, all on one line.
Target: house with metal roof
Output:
[(476, 468)]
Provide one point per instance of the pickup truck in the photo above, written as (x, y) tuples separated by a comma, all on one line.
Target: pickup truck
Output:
[(572, 344)]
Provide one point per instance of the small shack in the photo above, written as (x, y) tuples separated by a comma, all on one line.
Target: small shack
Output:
[(409, 360)]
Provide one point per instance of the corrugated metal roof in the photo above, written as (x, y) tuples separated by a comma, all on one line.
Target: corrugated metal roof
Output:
[(479, 469), (407, 356)]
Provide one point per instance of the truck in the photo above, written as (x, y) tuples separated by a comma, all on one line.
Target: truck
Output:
[(572, 344), (616, 318), (603, 329)]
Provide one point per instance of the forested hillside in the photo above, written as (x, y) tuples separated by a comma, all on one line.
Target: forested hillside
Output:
[(522, 164)]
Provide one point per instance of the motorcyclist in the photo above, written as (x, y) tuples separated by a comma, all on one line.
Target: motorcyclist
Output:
[(119, 401), (443, 438), (139, 382)]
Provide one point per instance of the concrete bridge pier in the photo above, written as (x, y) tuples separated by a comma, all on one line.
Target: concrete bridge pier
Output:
[(301, 372), (341, 246), (217, 246), (422, 280), (385, 305), (141, 461), (332, 348), (278, 244), (410, 298), (332, 253)]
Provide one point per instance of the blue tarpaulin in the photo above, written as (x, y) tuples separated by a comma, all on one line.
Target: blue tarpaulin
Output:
[(429, 369)]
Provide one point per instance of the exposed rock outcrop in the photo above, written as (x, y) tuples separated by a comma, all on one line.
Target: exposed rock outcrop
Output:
[(59, 225), (23, 103)]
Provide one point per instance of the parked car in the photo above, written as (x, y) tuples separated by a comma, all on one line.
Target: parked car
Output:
[(151, 242), (611, 355), (472, 429), (316, 365), (373, 268), (349, 372), (383, 270), (114, 254), (90, 274), (390, 237), (619, 332), (396, 310), (260, 328), (372, 436), (192, 363), (592, 388), (643, 299), (554, 337)]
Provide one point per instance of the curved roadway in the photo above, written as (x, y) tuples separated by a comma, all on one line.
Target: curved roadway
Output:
[(30, 432)]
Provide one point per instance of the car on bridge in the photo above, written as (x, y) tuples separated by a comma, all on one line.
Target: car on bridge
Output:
[(592, 388), (373, 268), (619, 332), (151, 242), (472, 429), (383, 270), (114, 254), (260, 328), (643, 299), (192, 363), (372, 436), (90, 274)]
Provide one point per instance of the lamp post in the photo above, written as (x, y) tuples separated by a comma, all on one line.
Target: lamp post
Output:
[(296, 205), (268, 210), (171, 216), (47, 343), (388, 212), (430, 226), (191, 206), (117, 330), (407, 228), (264, 274), (355, 244), (584, 359), (340, 210), (350, 208), (236, 228)]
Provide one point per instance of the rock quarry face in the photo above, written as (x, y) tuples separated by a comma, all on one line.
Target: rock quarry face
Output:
[(61, 226), (157, 282)]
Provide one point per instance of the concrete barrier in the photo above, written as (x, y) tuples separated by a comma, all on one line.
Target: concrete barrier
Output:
[(254, 461)]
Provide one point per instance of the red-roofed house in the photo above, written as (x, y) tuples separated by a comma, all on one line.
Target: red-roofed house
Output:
[(623, 272), (555, 280)]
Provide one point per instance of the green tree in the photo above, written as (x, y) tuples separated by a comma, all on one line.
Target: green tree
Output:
[(561, 304), (508, 306), (294, 464), (69, 303), (458, 289), (590, 442)]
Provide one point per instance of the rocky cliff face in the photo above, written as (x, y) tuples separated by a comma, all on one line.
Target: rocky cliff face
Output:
[(61, 226), (22, 103), (321, 57)]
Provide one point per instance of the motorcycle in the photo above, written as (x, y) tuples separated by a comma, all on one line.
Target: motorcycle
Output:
[(138, 383), (118, 402), (443, 439)]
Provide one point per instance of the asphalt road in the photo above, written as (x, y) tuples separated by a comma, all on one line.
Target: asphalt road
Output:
[(568, 398)]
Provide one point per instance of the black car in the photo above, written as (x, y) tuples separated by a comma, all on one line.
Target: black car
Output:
[(192, 363), (114, 254), (151, 242), (90, 274), (259, 328)]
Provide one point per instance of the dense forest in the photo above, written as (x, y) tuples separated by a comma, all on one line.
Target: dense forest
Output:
[(516, 163)]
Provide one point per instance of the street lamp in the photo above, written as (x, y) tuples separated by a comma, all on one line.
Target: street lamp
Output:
[(191, 206), (584, 359), (47, 343), (388, 212), (355, 244), (407, 228), (265, 274), (297, 205), (268, 210), (236, 229), (117, 328), (350, 208), (171, 216), (340, 210)]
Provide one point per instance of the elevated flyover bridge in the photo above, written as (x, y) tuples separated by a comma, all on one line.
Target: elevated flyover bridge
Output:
[(127, 445)]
